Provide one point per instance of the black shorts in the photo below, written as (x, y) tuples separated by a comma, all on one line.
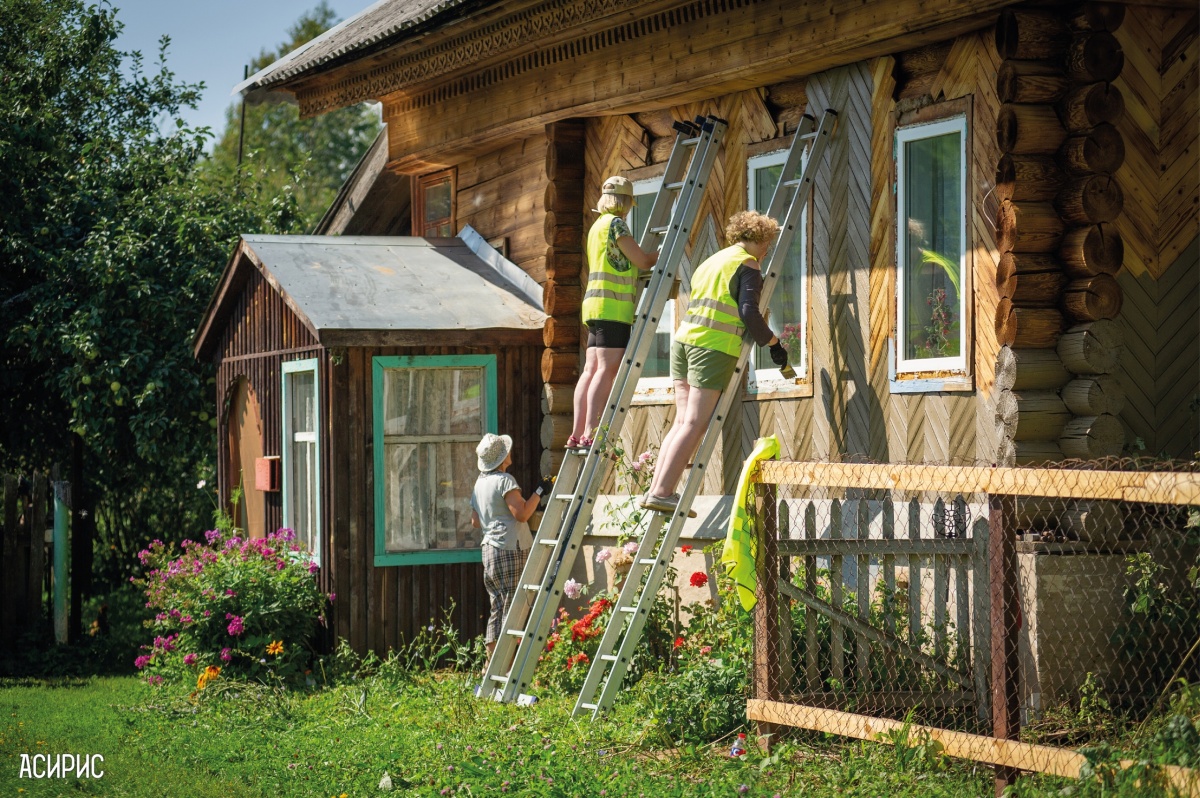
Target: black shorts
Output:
[(604, 334)]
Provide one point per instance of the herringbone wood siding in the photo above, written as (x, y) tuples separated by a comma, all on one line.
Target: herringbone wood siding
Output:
[(1161, 179)]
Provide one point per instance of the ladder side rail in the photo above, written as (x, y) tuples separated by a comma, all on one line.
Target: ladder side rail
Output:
[(695, 477), (578, 514), (678, 165), (791, 163), (535, 565)]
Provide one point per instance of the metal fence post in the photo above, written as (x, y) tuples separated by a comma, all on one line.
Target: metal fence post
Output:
[(766, 610), (1002, 557)]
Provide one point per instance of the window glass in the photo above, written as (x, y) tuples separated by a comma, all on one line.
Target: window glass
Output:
[(301, 494), (931, 231), (658, 362), (788, 308), (432, 420)]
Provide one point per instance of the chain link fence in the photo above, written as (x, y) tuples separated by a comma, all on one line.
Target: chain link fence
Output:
[(1036, 619)]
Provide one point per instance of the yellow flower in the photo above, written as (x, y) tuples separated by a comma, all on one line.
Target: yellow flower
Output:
[(210, 673), (275, 647)]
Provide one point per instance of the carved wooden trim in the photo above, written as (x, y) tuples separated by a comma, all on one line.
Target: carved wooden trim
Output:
[(521, 29)]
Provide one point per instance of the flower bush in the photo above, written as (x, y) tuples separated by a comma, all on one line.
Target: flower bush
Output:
[(571, 647), (229, 606)]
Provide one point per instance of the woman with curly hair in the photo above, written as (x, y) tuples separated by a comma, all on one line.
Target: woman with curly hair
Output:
[(614, 261), (723, 305)]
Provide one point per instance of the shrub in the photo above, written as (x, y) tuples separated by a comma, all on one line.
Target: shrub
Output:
[(246, 607)]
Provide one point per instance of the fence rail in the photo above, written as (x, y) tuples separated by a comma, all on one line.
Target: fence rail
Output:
[(890, 592)]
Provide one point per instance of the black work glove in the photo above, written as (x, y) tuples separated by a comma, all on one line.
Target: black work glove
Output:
[(543, 488), (779, 355)]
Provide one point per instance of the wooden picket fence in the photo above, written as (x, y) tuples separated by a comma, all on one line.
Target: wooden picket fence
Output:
[(23, 556)]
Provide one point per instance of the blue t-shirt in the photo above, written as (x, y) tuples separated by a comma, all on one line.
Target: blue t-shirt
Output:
[(501, 529)]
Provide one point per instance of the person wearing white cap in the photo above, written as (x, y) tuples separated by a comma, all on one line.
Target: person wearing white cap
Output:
[(608, 304), (498, 509)]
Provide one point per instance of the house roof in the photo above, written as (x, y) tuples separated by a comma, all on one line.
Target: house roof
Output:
[(382, 290), (378, 24)]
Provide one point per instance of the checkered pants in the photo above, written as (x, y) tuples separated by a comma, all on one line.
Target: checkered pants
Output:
[(501, 572)]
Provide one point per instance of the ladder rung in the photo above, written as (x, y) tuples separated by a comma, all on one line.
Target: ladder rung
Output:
[(609, 657), (588, 706), (566, 497), (519, 633), (797, 182), (647, 561), (658, 231), (501, 679), (548, 542), (675, 186), (533, 587), (629, 609)]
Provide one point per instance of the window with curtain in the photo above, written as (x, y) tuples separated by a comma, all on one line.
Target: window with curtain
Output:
[(430, 414), (433, 205), (657, 371), (788, 309), (300, 460), (931, 246)]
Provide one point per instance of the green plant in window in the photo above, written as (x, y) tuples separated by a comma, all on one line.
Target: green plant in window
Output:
[(941, 324), (950, 267)]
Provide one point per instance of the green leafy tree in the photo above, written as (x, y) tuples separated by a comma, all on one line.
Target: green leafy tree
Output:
[(312, 156), (111, 243)]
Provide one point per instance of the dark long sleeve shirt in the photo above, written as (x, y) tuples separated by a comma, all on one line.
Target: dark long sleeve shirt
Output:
[(746, 284)]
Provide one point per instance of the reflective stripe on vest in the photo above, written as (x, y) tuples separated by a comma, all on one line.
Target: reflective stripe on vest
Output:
[(712, 320), (610, 293)]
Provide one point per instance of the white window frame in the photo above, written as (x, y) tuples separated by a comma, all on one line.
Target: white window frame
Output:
[(766, 379), (651, 387), (904, 135), (290, 368)]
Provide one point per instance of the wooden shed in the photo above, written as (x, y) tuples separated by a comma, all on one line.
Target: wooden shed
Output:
[(355, 376), (999, 262)]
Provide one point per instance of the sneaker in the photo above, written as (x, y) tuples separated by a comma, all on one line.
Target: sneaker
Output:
[(664, 504)]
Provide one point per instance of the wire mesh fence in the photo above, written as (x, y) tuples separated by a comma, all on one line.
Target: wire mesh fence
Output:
[(1037, 619)]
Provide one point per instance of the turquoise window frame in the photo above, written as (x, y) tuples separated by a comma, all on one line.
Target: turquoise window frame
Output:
[(381, 364), (288, 368)]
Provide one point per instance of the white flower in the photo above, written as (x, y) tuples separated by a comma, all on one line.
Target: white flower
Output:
[(603, 555), (573, 589), (200, 485)]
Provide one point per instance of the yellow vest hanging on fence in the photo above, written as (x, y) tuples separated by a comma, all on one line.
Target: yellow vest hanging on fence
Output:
[(741, 542)]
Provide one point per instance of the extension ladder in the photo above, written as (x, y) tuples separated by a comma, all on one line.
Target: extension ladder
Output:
[(645, 577), (572, 499)]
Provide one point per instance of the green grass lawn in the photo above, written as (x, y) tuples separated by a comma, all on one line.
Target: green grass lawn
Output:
[(427, 731)]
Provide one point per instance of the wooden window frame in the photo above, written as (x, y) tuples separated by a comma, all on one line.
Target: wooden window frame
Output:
[(959, 377), (423, 182), (379, 366), (311, 365), (766, 387)]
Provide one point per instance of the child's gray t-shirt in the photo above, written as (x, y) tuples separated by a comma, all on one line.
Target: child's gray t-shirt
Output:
[(500, 529)]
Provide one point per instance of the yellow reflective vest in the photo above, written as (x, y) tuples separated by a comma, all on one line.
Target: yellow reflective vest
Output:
[(712, 320), (610, 292)]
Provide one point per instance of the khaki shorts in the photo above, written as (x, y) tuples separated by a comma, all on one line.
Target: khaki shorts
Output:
[(701, 368)]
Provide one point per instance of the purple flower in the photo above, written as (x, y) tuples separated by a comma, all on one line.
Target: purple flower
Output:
[(313, 568), (236, 625), (154, 680), (573, 589), (333, 597), (230, 592), (186, 619), (189, 659), (226, 655), (212, 536), (141, 662)]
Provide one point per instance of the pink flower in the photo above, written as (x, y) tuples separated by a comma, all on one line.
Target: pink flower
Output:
[(186, 619), (189, 659), (631, 547), (279, 566), (236, 625), (230, 591), (154, 680), (705, 649), (141, 662), (333, 597), (313, 568), (603, 555), (573, 589), (637, 466), (226, 655)]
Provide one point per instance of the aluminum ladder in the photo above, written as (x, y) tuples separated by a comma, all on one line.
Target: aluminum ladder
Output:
[(572, 499), (645, 577)]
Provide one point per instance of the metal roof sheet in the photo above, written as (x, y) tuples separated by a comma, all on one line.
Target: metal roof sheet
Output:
[(396, 283), (383, 20)]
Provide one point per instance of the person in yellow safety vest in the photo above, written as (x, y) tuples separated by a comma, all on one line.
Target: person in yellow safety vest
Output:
[(608, 304), (723, 305)]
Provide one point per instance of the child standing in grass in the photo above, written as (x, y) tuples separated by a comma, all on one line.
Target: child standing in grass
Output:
[(498, 509)]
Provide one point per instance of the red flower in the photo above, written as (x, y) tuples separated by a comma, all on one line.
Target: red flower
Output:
[(680, 642), (699, 579), (686, 549), (576, 659)]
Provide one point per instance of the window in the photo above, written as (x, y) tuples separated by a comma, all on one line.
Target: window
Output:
[(657, 371), (433, 205), (301, 461), (788, 316), (931, 186), (429, 414)]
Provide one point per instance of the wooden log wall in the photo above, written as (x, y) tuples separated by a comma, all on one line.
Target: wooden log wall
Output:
[(563, 236), (1159, 269), (1059, 199)]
